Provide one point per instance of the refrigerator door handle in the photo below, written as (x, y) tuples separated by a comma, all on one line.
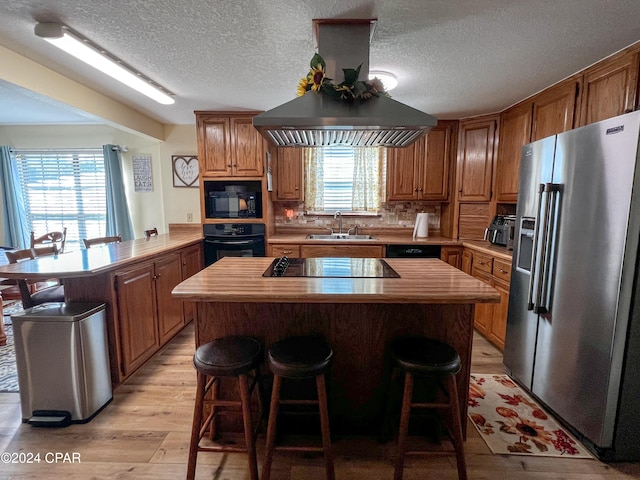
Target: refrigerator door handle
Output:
[(534, 253), (544, 298), (545, 252)]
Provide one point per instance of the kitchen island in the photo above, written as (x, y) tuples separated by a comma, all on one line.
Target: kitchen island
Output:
[(357, 315)]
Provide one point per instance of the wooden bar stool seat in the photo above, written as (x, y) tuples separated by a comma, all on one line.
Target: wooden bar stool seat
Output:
[(298, 358), (420, 357), (233, 356)]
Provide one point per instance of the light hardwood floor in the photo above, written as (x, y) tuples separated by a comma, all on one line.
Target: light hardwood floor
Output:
[(144, 434)]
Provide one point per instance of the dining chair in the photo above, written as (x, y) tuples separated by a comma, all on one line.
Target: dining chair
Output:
[(50, 293), (148, 233), (88, 242), (50, 238)]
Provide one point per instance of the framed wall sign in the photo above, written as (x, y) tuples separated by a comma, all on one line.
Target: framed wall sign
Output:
[(142, 178), (185, 170)]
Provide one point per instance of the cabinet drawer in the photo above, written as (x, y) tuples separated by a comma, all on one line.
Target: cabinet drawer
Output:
[(292, 251), (501, 269), (482, 262)]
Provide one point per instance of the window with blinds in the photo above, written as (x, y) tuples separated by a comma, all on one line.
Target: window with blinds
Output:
[(64, 188), (338, 177), (345, 178)]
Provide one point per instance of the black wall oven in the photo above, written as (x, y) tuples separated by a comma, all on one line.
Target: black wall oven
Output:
[(233, 240)]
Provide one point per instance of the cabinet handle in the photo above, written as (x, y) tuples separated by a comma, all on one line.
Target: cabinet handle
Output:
[(287, 252), (415, 189), (229, 165), (503, 271)]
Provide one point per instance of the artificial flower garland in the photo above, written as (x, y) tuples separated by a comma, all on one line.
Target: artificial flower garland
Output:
[(349, 90)]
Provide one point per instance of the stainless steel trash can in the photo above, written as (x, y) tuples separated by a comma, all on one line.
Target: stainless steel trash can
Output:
[(62, 358)]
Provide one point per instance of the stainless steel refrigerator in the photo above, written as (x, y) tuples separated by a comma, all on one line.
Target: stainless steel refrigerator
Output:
[(573, 328)]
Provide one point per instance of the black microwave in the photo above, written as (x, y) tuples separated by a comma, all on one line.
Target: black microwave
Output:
[(233, 205)]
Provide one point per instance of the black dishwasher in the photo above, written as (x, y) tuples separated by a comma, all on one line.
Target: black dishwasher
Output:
[(413, 251)]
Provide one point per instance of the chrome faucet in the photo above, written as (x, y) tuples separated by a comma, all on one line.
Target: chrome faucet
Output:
[(338, 215)]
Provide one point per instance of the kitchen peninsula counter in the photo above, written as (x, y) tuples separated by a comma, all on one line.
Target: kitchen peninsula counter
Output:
[(134, 280), (98, 259), (358, 317)]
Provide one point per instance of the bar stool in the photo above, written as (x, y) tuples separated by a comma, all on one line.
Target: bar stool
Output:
[(423, 357), (298, 358), (233, 356)]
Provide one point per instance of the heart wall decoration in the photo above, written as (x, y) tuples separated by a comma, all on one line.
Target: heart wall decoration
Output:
[(185, 170)]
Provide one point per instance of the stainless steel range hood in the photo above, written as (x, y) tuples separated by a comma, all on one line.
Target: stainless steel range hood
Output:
[(314, 120)]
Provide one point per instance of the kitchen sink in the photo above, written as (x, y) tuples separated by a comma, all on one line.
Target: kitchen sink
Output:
[(340, 236)]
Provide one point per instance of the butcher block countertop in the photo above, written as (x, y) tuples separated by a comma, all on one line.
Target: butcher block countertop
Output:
[(427, 281), (98, 259)]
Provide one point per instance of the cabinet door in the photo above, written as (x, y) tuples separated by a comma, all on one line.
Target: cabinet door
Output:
[(498, 329), (475, 160), (403, 172), (484, 311), (515, 131), (435, 163), (246, 147), (354, 251), (452, 255), (168, 274), (191, 263), (137, 316), (214, 148), (609, 89), (554, 110), (467, 259), (289, 174)]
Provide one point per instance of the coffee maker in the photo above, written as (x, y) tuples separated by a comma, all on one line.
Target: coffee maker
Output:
[(500, 231)]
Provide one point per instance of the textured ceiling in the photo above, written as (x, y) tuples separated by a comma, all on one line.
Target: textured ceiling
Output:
[(453, 58)]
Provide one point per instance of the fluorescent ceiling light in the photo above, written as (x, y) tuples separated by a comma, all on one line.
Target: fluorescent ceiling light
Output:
[(82, 49), (389, 80)]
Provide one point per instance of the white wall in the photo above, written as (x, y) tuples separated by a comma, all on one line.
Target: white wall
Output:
[(164, 205)]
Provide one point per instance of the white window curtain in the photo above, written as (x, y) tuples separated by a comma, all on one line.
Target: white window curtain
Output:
[(345, 178), (314, 179), (368, 175)]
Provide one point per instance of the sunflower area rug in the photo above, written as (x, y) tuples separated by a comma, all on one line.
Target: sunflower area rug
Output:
[(512, 423)]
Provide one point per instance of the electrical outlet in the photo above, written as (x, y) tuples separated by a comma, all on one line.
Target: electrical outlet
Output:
[(189, 217)]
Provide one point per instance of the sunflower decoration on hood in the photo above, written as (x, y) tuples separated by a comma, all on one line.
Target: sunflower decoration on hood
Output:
[(349, 90)]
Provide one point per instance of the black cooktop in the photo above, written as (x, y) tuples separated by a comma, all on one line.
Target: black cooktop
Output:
[(330, 268)]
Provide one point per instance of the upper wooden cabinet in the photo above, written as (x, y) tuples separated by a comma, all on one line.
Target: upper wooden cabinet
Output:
[(554, 110), (229, 145), (515, 131), (289, 177), (421, 170), (609, 88), (475, 159)]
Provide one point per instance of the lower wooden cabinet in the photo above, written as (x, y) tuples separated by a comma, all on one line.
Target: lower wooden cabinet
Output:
[(136, 304), (192, 262), (168, 273), (490, 319), (148, 315), (452, 255)]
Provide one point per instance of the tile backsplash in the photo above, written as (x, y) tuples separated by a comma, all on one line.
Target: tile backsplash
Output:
[(392, 215)]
